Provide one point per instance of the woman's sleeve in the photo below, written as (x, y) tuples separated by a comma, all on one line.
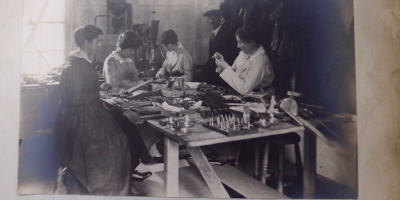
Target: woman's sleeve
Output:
[(254, 77), (110, 73), (234, 65), (161, 71), (133, 80), (187, 67)]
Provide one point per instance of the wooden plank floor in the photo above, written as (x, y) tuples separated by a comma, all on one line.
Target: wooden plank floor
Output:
[(246, 185), (191, 183), (37, 170)]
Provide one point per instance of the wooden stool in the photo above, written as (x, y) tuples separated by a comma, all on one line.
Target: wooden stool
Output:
[(281, 140)]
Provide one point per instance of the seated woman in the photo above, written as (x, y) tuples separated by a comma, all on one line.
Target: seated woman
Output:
[(120, 72), (90, 143), (250, 71), (252, 68), (119, 67), (178, 62)]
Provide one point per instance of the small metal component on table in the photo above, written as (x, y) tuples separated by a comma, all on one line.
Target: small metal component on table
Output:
[(187, 117)]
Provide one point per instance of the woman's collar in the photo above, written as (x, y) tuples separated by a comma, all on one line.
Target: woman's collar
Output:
[(259, 51), (80, 54), (121, 60), (178, 48)]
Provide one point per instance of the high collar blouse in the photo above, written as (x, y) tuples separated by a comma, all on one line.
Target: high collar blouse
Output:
[(179, 60), (249, 72), (120, 72), (80, 54)]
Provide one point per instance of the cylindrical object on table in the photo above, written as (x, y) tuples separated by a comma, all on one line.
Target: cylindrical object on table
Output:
[(246, 114), (181, 82)]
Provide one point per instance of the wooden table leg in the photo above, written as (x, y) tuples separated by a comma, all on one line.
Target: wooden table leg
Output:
[(209, 175), (256, 159), (264, 174), (280, 169), (310, 164), (171, 168)]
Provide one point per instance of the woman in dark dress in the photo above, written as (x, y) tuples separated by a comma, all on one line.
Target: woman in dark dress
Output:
[(90, 143)]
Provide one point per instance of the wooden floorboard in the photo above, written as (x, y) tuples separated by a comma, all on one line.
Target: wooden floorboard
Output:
[(191, 183), (152, 186), (244, 184)]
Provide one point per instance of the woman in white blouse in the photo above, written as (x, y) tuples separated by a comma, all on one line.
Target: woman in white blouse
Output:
[(178, 62), (252, 69), (119, 67)]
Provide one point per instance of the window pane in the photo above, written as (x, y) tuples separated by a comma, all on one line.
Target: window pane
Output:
[(52, 37), (52, 59), (31, 38), (43, 35), (54, 11), (32, 10), (31, 63)]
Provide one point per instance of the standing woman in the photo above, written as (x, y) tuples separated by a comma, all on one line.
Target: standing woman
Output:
[(252, 69), (178, 62), (90, 144)]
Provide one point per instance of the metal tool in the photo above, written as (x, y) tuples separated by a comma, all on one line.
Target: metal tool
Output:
[(139, 85)]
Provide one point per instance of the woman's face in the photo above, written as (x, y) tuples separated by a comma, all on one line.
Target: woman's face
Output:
[(167, 47), (93, 46), (128, 53), (246, 47)]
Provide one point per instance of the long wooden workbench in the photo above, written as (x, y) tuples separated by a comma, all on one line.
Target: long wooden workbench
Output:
[(195, 137)]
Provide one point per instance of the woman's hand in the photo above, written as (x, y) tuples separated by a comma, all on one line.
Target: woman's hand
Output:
[(121, 92), (220, 62), (219, 70), (106, 87), (133, 117), (104, 95)]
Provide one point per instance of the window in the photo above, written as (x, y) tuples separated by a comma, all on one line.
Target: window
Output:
[(43, 31)]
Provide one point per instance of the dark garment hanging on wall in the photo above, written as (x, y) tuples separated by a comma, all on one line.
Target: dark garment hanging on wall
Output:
[(238, 13), (224, 43), (90, 143)]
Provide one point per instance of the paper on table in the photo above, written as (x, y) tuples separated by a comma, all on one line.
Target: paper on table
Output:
[(192, 85), (137, 92), (197, 104), (166, 106), (256, 107), (117, 100), (256, 94), (232, 96)]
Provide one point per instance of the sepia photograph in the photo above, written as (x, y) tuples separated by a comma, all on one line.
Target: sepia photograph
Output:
[(188, 98)]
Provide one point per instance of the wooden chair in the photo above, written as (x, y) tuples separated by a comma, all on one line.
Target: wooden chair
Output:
[(280, 140)]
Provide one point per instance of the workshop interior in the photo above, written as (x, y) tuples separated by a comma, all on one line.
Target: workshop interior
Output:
[(195, 113)]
